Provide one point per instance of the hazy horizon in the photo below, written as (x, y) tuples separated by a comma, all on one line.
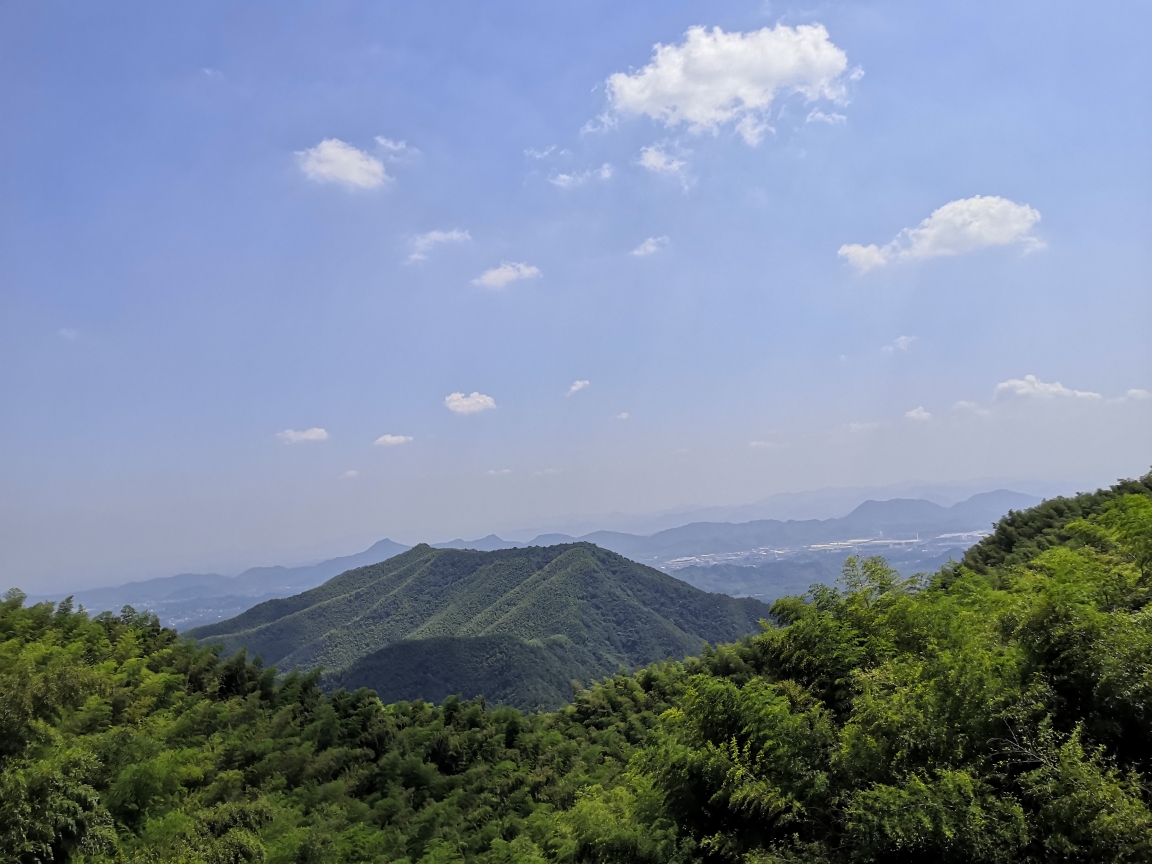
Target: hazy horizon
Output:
[(277, 282)]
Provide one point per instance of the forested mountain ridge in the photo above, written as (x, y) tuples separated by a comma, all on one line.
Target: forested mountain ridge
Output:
[(1002, 716), (514, 625)]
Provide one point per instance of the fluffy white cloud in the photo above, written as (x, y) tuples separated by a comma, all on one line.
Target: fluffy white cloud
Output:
[(495, 472), (957, 227), (900, 343), (577, 386), (458, 403), (655, 159), (918, 413), (1032, 387), (713, 77), (1136, 395), (424, 243), (292, 436), (508, 271), (350, 475), (392, 440), (623, 415), (333, 161), (650, 246), (569, 181)]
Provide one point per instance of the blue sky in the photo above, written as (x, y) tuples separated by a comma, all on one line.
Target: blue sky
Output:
[(821, 245)]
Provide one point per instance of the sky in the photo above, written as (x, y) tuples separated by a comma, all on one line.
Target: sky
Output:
[(280, 279)]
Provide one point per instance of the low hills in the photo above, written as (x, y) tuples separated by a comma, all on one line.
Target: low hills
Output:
[(514, 625)]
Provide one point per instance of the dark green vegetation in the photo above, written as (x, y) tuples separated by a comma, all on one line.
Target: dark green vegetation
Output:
[(995, 716), (515, 625)]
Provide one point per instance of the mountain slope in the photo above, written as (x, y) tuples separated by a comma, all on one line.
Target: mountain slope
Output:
[(577, 611)]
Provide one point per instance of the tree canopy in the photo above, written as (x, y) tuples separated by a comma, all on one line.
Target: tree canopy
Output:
[(1000, 713)]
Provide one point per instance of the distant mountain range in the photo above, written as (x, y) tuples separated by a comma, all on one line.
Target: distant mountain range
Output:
[(691, 551), (191, 599), (516, 626), (896, 519)]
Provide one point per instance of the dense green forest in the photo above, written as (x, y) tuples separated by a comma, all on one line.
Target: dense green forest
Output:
[(514, 625), (999, 711)]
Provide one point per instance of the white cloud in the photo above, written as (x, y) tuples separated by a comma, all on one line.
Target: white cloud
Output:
[(900, 343), (1135, 395), (333, 161), (292, 436), (963, 405), (539, 154), (863, 427), (547, 471), (621, 416), (396, 150), (650, 246), (569, 181), (424, 243), (954, 229), (494, 472), (350, 475), (918, 413), (392, 440), (655, 159), (577, 386), (458, 403), (763, 445), (68, 333), (1031, 387), (508, 271), (714, 77), (818, 116)]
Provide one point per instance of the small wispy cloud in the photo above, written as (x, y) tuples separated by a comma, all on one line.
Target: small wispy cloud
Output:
[(68, 333), (964, 405), (333, 161), (1134, 395), (818, 116), (654, 158), (422, 244), (392, 440), (763, 445), (900, 343), (497, 471), (293, 436), (1032, 387), (623, 415), (396, 151), (350, 475), (540, 154), (863, 427), (545, 472), (918, 413), (577, 386), (458, 403), (570, 181), (508, 271), (650, 247), (209, 72)]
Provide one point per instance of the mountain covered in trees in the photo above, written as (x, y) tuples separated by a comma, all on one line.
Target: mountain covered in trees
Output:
[(997, 711), (516, 625)]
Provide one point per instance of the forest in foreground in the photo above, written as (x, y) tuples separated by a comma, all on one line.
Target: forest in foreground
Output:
[(999, 710)]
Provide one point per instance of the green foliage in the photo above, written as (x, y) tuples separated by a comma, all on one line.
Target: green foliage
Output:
[(1002, 715)]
